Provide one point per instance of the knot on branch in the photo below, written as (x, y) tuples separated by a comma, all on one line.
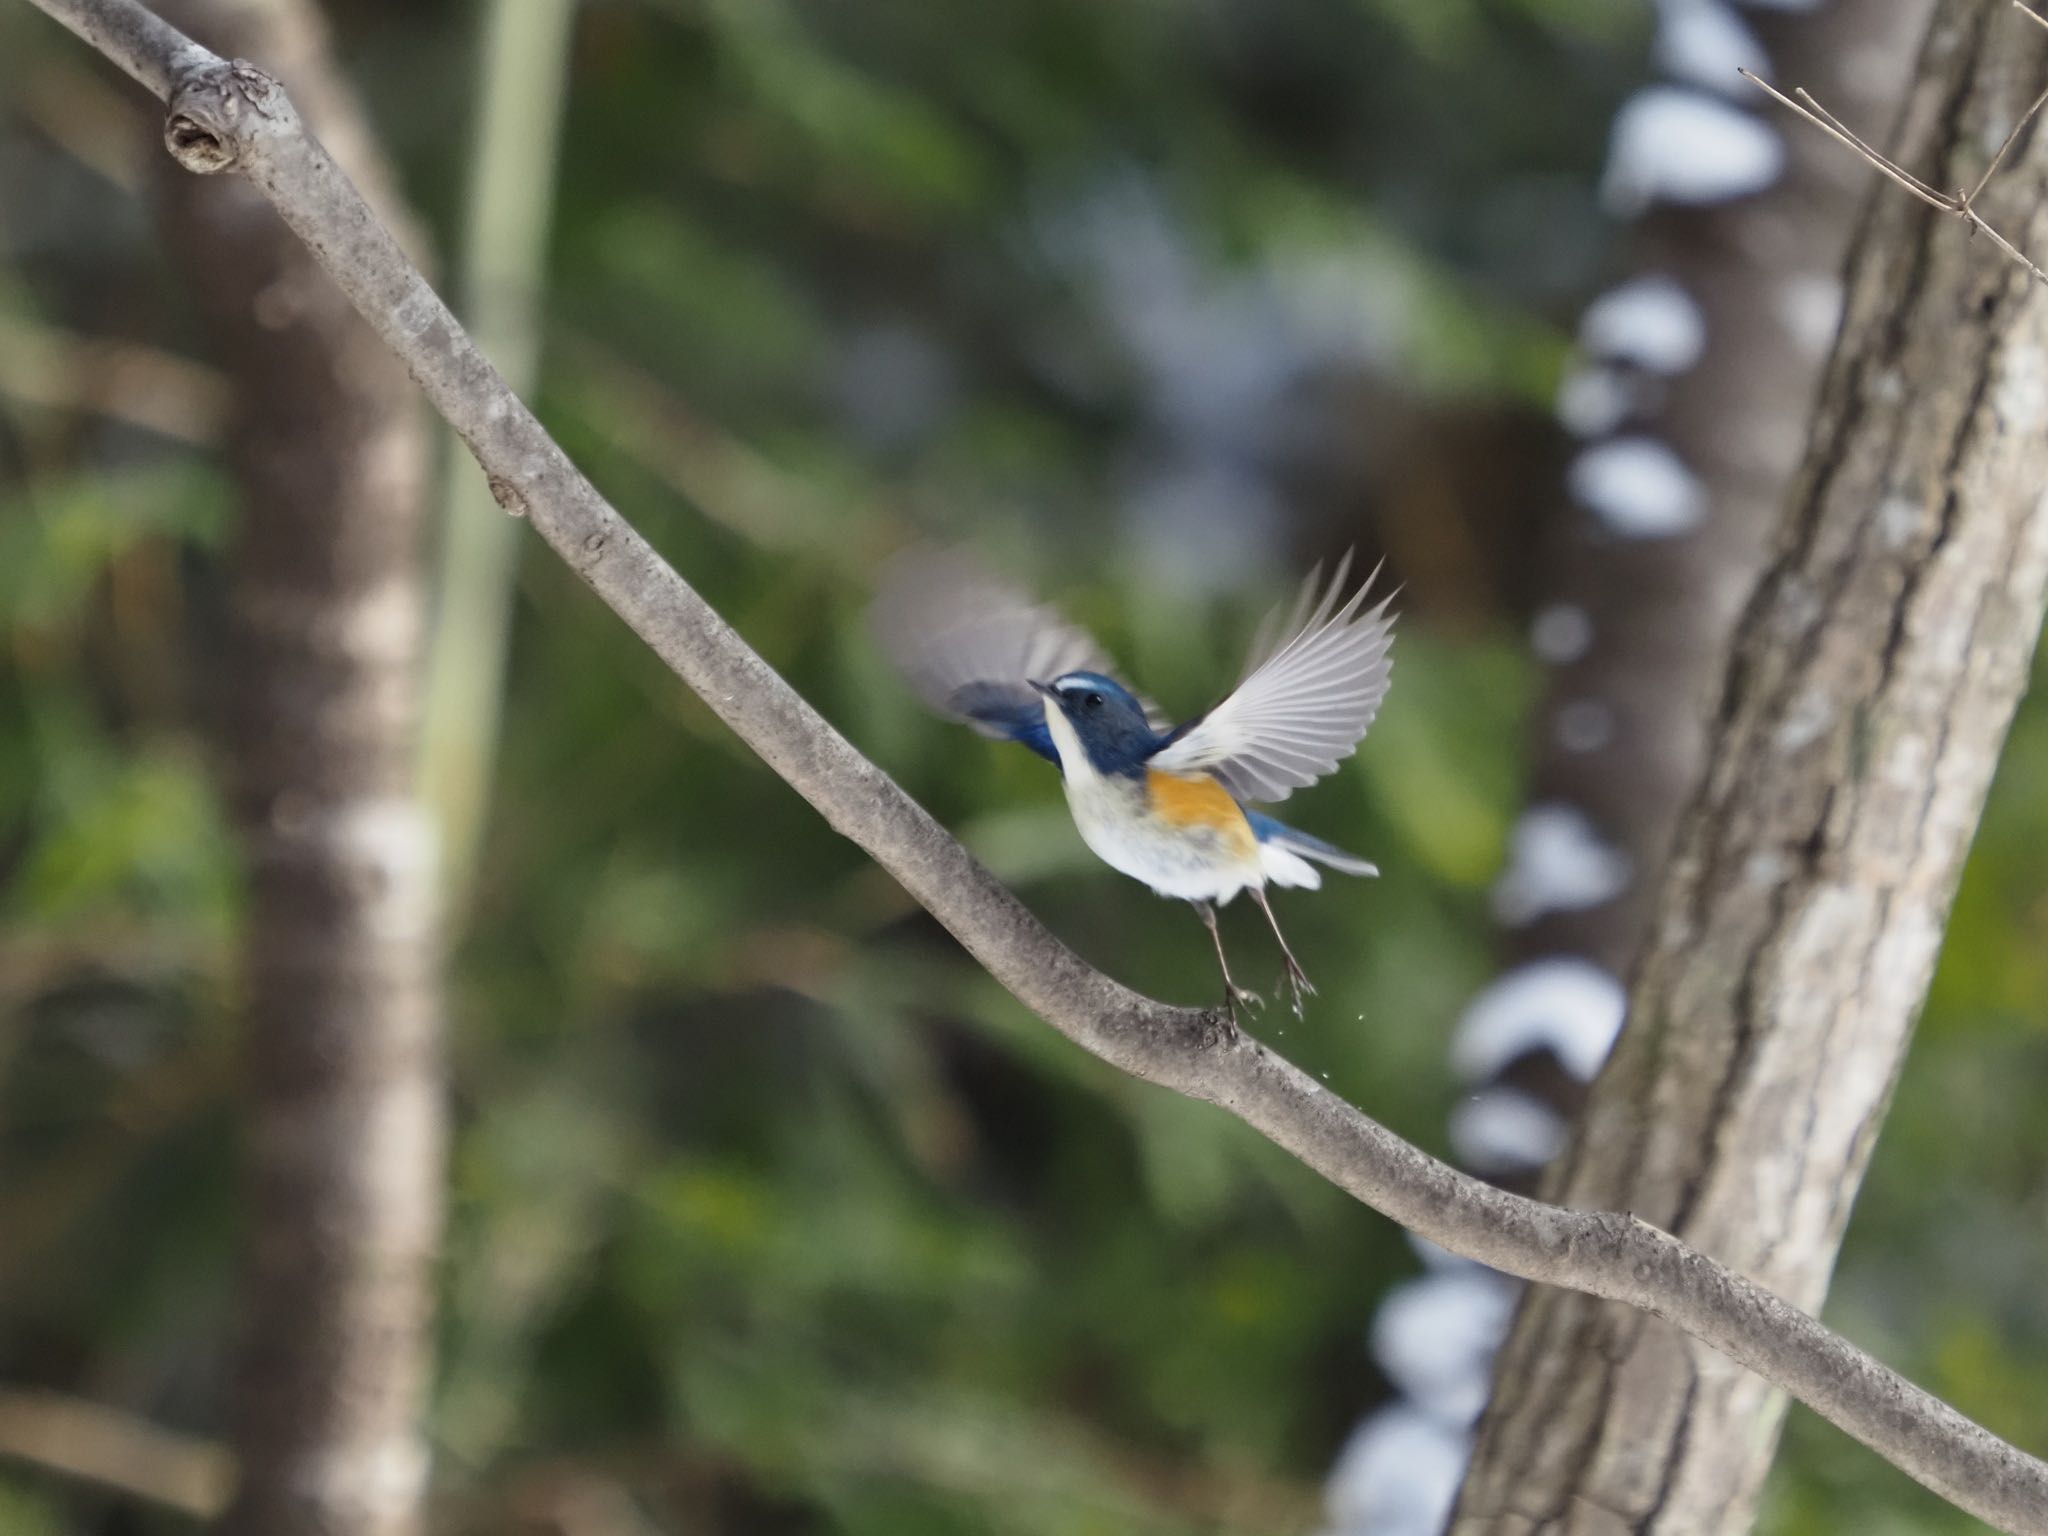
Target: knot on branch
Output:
[(215, 113), (508, 495)]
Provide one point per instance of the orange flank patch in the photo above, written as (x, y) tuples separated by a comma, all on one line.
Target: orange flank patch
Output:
[(1196, 802)]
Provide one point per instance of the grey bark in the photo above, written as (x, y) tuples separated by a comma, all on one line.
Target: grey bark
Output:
[(342, 996), (1874, 673), (233, 117), (1764, 274), (1635, 628)]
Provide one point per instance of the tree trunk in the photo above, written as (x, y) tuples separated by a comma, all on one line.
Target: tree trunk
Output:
[(1872, 679), (343, 1004), (1638, 625), (1711, 350)]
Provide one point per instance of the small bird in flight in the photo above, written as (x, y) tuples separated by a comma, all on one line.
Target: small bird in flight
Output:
[(1165, 804)]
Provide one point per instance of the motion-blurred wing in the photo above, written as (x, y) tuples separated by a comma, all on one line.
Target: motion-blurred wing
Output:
[(1309, 694), (970, 645)]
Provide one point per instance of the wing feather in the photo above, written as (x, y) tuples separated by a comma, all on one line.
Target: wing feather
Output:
[(970, 645), (1309, 692)]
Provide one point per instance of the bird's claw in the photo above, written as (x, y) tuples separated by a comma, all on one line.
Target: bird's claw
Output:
[(1236, 997), (1299, 989)]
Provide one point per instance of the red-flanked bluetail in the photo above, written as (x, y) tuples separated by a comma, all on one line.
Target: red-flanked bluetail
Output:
[(1165, 804)]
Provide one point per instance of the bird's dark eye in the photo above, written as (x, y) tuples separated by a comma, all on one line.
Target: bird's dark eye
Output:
[(1093, 701)]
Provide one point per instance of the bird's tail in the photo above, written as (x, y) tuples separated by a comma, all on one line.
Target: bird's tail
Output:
[(1284, 852)]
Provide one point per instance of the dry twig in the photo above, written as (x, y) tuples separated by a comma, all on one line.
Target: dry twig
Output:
[(1961, 205)]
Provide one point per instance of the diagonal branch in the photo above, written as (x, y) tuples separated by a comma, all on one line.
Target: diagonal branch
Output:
[(234, 117)]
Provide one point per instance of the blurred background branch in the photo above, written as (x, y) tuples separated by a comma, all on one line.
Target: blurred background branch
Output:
[(103, 1445), (150, 388)]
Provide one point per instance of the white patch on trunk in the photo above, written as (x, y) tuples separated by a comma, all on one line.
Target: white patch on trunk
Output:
[(1673, 145), (1638, 487), (1565, 1005), (1704, 42), (1650, 322), (1561, 633), (1396, 1476), (2020, 397), (1557, 862), (1504, 1130), (1810, 307), (1435, 1338), (1593, 400), (1585, 725)]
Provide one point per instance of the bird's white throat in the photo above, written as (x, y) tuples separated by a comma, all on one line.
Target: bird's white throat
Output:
[(1066, 741)]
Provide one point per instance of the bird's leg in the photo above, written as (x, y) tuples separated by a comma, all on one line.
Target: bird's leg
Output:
[(1233, 994), (1299, 987)]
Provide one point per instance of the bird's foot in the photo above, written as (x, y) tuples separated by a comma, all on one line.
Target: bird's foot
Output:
[(1299, 989), (1244, 999)]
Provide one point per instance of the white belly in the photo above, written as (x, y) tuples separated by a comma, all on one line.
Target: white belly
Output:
[(1194, 865)]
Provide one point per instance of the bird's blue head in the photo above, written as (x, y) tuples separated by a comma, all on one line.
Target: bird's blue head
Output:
[(1105, 719)]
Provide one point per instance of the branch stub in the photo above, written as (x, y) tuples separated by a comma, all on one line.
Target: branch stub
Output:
[(214, 111)]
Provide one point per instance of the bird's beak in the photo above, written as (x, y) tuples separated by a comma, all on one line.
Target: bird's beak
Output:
[(1044, 688)]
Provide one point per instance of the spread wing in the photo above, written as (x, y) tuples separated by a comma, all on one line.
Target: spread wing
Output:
[(970, 645), (1308, 695)]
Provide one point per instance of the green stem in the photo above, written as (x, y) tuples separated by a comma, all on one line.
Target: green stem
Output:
[(511, 201)]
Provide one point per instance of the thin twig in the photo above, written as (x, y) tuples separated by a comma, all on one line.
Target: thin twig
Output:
[(1961, 205), (235, 117), (1825, 122)]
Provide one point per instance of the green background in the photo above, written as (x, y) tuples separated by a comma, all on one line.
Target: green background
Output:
[(769, 1211)]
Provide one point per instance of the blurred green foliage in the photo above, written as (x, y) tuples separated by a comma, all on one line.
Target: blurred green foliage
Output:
[(770, 1213)]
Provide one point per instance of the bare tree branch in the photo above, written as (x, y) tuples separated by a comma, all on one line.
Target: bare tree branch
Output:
[(234, 117)]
